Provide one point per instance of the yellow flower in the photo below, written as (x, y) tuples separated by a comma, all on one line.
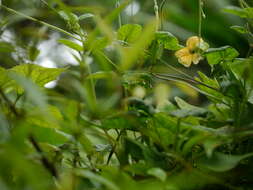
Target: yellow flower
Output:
[(191, 53)]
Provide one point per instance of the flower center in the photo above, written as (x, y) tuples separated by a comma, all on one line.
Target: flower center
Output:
[(193, 51)]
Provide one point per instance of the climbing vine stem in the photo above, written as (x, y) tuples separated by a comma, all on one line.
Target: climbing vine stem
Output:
[(119, 17), (156, 9), (40, 22), (200, 13), (161, 10)]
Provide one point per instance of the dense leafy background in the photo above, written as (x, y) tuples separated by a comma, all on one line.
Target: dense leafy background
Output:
[(93, 97)]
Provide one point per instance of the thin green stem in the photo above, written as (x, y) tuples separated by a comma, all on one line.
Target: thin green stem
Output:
[(113, 148), (40, 22), (109, 60), (9, 103), (189, 83), (175, 69), (119, 17), (93, 92), (200, 18), (156, 9), (45, 3), (44, 160), (193, 81), (161, 10), (17, 99), (91, 83)]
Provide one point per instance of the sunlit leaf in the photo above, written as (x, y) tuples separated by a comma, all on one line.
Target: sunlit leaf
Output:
[(187, 109), (158, 173), (236, 11), (37, 118), (101, 75), (130, 55), (219, 55), (5, 81), (37, 74), (129, 33), (6, 47), (169, 41), (85, 16), (33, 92), (51, 136), (71, 44), (211, 87), (239, 29), (220, 162)]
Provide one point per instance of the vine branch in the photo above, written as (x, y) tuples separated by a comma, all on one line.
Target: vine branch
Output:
[(40, 22)]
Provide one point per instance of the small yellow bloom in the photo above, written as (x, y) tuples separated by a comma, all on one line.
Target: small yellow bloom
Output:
[(194, 42), (191, 53)]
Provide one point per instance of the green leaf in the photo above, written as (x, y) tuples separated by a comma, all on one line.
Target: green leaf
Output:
[(131, 55), (71, 44), (71, 19), (189, 180), (33, 92), (249, 12), (94, 177), (68, 16), (5, 81), (219, 55), (123, 180), (49, 135), (241, 12), (168, 40), (210, 144), (220, 162), (122, 121), (33, 53), (99, 43), (209, 81), (213, 91), (134, 148), (139, 151), (194, 140), (187, 109), (37, 118), (85, 16), (163, 120), (129, 33), (239, 29), (192, 110), (236, 11), (242, 68), (158, 173), (101, 75), (6, 47), (37, 74)]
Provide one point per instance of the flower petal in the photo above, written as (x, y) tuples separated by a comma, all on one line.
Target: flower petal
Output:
[(186, 60), (193, 42), (182, 52), (196, 58)]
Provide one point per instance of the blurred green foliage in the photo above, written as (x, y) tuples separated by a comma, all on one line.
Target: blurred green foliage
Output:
[(93, 97)]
